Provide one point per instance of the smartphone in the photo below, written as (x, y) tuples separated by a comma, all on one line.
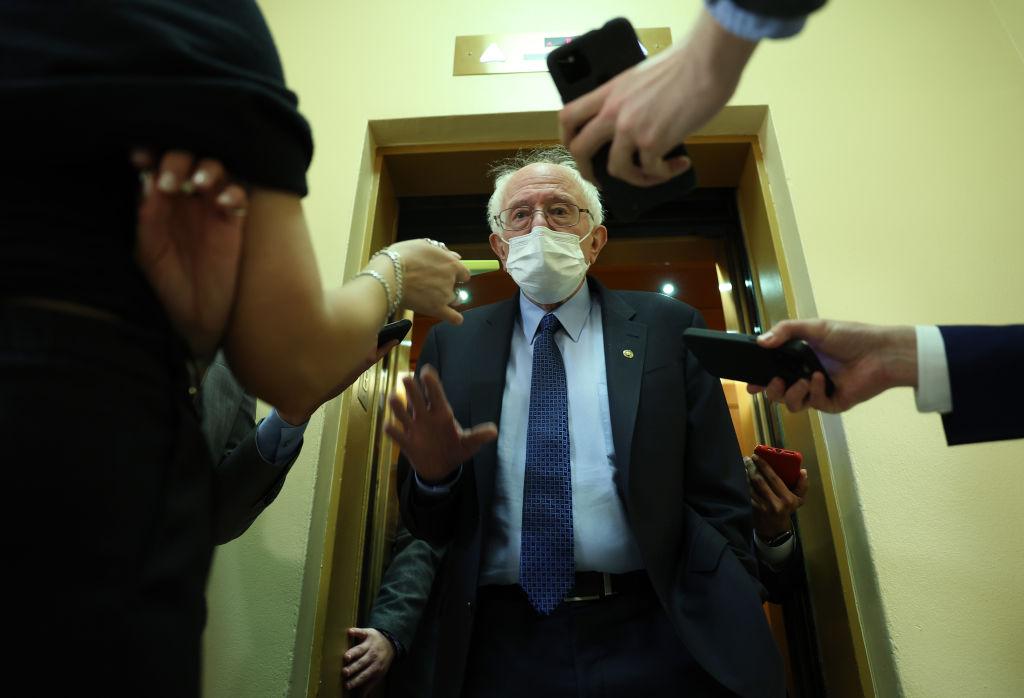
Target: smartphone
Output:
[(587, 62), (392, 331), (740, 357), (784, 462)]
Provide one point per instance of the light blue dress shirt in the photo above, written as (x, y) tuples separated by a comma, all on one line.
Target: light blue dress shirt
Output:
[(751, 26), (602, 536), (277, 440)]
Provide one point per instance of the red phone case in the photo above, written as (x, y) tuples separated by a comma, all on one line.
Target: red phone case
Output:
[(784, 462)]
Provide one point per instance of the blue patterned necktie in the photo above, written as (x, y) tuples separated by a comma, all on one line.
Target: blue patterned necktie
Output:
[(546, 562)]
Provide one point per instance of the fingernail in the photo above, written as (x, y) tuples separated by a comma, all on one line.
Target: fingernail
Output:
[(225, 198), (147, 183), (767, 335), (167, 182), (200, 178)]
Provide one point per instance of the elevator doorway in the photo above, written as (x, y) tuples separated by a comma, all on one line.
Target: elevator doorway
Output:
[(716, 251)]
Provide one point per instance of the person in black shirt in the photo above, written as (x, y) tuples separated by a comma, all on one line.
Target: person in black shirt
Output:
[(109, 475)]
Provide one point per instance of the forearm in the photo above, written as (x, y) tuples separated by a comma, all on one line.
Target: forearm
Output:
[(291, 343)]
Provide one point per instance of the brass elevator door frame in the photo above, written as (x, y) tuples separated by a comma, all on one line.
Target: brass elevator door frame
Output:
[(358, 505)]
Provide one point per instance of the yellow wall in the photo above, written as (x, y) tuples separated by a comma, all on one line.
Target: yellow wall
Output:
[(899, 127)]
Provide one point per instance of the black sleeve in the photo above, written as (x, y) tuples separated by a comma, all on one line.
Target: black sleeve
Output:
[(405, 588), (780, 8), (716, 482), (430, 518), (201, 75), (986, 382)]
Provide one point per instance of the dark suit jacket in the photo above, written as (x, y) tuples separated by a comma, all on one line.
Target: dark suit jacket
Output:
[(406, 607), (986, 375), (679, 473), (243, 483)]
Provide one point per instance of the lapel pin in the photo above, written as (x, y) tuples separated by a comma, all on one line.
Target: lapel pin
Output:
[(628, 353)]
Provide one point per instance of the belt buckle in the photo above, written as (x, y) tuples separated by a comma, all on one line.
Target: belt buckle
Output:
[(606, 583)]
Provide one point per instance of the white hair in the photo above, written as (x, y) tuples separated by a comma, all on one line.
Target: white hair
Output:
[(557, 155)]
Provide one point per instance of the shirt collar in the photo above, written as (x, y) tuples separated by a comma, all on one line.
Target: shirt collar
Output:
[(572, 314)]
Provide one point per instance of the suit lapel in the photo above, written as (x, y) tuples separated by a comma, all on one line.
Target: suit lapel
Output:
[(625, 345), (487, 384)]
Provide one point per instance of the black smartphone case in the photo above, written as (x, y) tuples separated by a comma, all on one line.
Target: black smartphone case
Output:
[(739, 357), (392, 331), (588, 62)]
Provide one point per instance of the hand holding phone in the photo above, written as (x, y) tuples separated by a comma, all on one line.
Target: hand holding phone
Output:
[(740, 357), (586, 63), (784, 462)]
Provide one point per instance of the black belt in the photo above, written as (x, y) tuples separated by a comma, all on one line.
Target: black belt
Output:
[(589, 586)]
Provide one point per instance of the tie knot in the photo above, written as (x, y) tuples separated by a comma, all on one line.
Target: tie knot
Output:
[(549, 324)]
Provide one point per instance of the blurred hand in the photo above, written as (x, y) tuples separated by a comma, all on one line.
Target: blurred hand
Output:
[(863, 361), (189, 243), (366, 663), (650, 109), (774, 504), (427, 431), (430, 274)]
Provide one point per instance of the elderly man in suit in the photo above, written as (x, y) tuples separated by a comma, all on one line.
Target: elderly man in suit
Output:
[(602, 545)]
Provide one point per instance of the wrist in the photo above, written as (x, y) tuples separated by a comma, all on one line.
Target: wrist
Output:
[(775, 539), (900, 356), (723, 53)]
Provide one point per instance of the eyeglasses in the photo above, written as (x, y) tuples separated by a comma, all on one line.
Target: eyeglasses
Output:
[(558, 215)]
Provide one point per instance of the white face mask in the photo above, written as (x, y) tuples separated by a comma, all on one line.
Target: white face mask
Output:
[(547, 265)]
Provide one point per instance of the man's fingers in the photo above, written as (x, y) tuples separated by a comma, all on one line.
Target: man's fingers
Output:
[(620, 160), (817, 397), (764, 491), (360, 665), (579, 111), (810, 330), (354, 653), (433, 391), (771, 477), (802, 484), (398, 436), (414, 396), (587, 142), (797, 394), (776, 390), (479, 435), (401, 413)]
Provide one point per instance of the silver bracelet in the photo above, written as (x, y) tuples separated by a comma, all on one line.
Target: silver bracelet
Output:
[(396, 263), (383, 282)]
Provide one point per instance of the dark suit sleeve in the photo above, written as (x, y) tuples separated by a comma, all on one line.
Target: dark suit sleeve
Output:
[(785, 580), (431, 518), (785, 9), (405, 588), (716, 482), (987, 381), (244, 484)]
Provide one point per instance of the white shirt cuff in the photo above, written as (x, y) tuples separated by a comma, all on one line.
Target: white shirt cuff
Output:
[(438, 490), (933, 393), (774, 557)]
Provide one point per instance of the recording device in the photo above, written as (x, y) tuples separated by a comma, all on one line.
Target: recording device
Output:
[(740, 357), (784, 462), (588, 62), (392, 331), (481, 266)]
